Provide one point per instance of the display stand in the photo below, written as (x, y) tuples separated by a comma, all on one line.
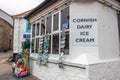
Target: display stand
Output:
[(22, 67)]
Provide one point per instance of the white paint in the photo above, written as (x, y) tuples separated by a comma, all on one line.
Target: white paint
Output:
[(105, 71), (19, 30), (101, 61), (89, 52), (84, 32), (108, 33), (101, 71), (52, 72)]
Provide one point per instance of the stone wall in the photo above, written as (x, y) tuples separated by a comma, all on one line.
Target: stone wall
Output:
[(6, 36)]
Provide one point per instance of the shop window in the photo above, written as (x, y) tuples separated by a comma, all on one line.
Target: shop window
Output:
[(37, 30), (48, 24), (55, 44), (37, 45), (33, 30), (55, 22), (49, 49), (32, 45), (66, 47), (119, 24), (43, 27), (41, 44), (65, 18)]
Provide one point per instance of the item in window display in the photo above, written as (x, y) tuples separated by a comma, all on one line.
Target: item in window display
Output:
[(62, 42), (60, 65), (63, 34), (45, 40), (63, 38), (45, 51), (61, 60), (65, 26), (45, 47), (40, 51), (45, 58), (41, 39), (38, 59), (62, 46), (41, 42), (46, 44)]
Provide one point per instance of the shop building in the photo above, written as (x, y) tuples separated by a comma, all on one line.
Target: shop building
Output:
[(21, 29), (91, 45)]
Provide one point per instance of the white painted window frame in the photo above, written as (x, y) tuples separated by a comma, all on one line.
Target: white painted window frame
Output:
[(52, 32)]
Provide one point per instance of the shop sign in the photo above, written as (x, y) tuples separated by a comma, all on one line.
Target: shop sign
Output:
[(26, 36), (84, 30)]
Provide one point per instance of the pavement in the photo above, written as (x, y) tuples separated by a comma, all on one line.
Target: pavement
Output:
[(6, 69)]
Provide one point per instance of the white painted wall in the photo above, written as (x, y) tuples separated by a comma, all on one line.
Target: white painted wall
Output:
[(108, 33), (98, 60), (107, 45), (19, 30), (82, 54), (53, 72)]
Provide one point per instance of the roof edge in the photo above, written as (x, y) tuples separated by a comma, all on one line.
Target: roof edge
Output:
[(40, 7)]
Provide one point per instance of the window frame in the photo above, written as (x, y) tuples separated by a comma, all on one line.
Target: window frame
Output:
[(52, 31)]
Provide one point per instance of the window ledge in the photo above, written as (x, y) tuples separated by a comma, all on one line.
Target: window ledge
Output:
[(67, 63), (33, 56)]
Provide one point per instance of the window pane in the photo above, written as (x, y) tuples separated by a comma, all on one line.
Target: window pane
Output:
[(119, 24), (29, 27), (48, 24), (49, 48), (65, 18), (37, 30), (41, 44), (32, 45), (55, 46), (33, 30), (42, 27), (37, 45), (66, 44), (55, 22), (47, 43)]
